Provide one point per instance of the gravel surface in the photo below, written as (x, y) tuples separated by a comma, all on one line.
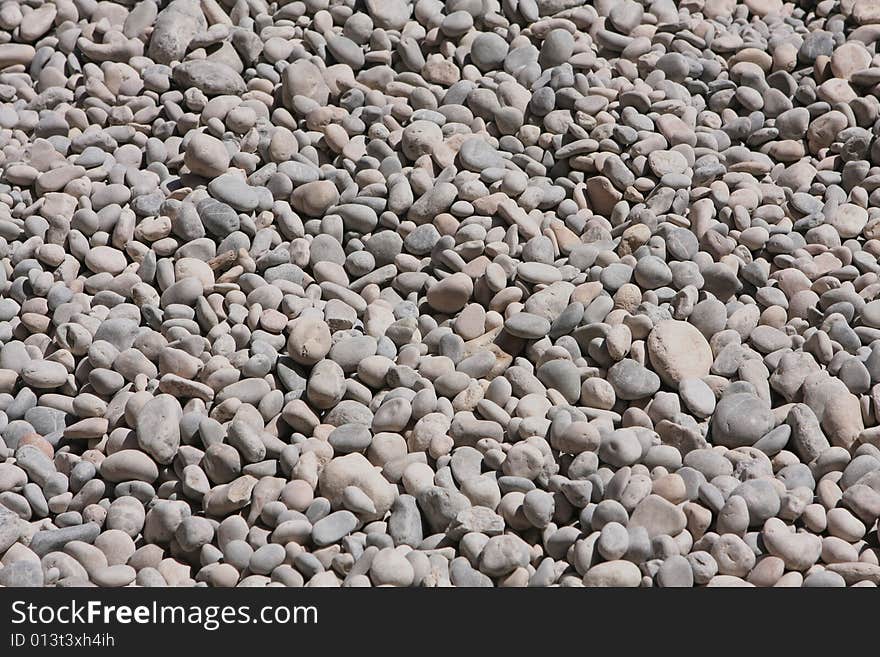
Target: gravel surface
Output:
[(470, 293)]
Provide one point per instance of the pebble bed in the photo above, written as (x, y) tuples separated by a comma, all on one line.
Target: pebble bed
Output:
[(463, 293)]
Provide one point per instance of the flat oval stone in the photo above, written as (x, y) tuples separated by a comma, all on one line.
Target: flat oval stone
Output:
[(527, 326), (333, 528)]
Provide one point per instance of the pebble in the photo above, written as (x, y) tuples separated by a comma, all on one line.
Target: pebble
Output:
[(616, 574), (209, 77), (740, 420), (658, 516), (631, 380), (314, 198), (423, 294), (390, 567), (527, 326), (158, 427), (206, 156), (128, 465), (503, 554), (53, 540), (678, 351), (451, 294), (675, 572)]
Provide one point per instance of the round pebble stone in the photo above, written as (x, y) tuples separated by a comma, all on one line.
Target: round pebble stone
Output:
[(206, 156), (527, 326), (616, 574)]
